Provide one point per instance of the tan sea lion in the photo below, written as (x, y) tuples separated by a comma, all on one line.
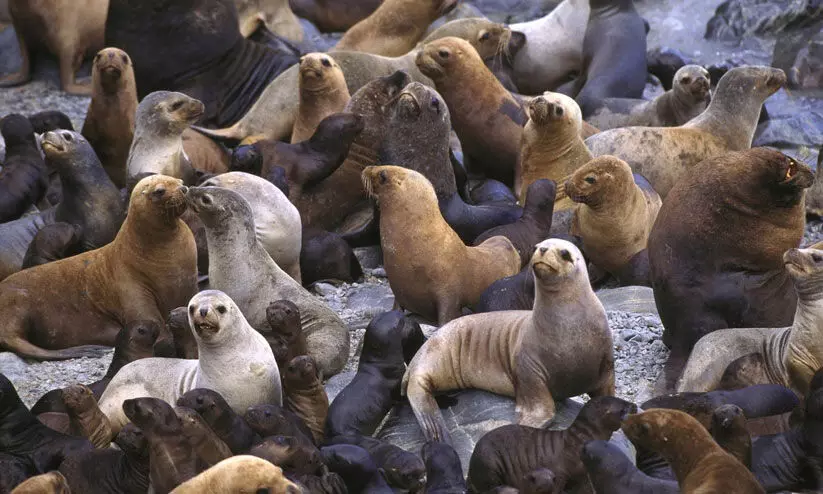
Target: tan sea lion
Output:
[(70, 31), (304, 394), (614, 216), (276, 15), (242, 473), (323, 91), (334, 16), (699, 463), (664, 154), (560, 348), (552, 146), (430, 270), (395, 27), (48, 483), (85, 418), (79, 301), (208, 447)]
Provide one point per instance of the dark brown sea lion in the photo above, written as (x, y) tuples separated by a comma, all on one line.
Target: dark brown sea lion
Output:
[(293, 456), (332, 16), (24, 176), (304, 394), (48, 120), (612, 472), (327, 256), (356, 466), (444, 474), (15, 471), (728, 429), (208, 447), (53, 242), (178, 325), (85, 418), (402, 469), (225, 422), (273, 420), (286, 339)]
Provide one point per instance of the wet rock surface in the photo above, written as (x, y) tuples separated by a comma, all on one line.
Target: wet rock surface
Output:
[(735, 19)]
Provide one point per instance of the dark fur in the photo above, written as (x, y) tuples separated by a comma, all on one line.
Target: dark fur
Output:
[(228, 425), (24, 177), (327, 256)]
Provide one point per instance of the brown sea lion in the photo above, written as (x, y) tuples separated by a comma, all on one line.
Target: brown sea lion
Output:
[(241, 473), (53, 242), (507, 352), (68, 32), (699, 463), (85, 418), (728, 429), (323, 92), (49, 308), (664, 155), (286, 339), (225, 422), (487, 118), (304, 394), (431, 271), (293, 456), (208, 447), (276, 15), (273, 420), (178, 326), (395, 27), (47, 483), (613, 218), (333, 16)]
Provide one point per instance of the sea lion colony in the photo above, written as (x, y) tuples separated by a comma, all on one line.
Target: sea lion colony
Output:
[(217, 178)]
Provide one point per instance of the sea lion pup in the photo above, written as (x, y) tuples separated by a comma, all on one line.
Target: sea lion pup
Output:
[(70, 34), (286, 338), (510, 293), (790, 355), (444, 475), (334, 16), (15, 471), (304, 394), (507, 454), (486, 117), (395, 27), (323, 92), (699, 463), (276, 15), (24, 436), (403, 470), (225, 422), (294, 456), (408, 214), (239, 265), (612, 472), (327, 256), (613, 217), (364, 402), (728, 429), (755, 195), (273, 420), (23, 176), (276, 220), (687, 99), (552, 146), (46, 306), (243, 473), (208, 447), (533, 226), (49, 120), (185, 346), (229, 352), (356, 467), (85, 418), (48, 483), (513, 345), (157, 147), (664, 155), (53, 242)]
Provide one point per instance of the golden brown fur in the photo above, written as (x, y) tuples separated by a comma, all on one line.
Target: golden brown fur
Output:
[(304, 394), (47, 483), (276, 15), (242, 473), (323, 91)]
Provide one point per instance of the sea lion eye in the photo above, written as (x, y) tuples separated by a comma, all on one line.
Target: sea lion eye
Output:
[(206, 200), (191, 309), (443, 53), (383, 177), (485, 36), (436, 105), (177, 105), (326, 62), (125, 59), (67, 136), (158, 192), (141, 331), (590, 180), (221, 309), (817, 258), (566, 255), (791, 170), (686, 80)]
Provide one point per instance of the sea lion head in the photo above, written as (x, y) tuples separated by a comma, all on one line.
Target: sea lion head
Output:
[(540, 481), (16, 130), (265, 418), (112, 69), (138, 338), (208, 403), (805, 266), (167, 114), (724, 417), (497, 39), (52, 482), (603, 456), (382, 343), (372, 103), (601, 179), (131, 441), (656, 428), (194, 427), (212, 314), (606, 413), (423, 106), (78, 398), (443, 56), (247, 473), (158, 196), (555, 260), (747, 82), (69, 150), (692, 81), (555, 110), (289, 453), (319, 71), (218, 207), (152, 414), (247, 158), (283, 317), (45, 121), (782, 178), (302, 373), (384, 181)]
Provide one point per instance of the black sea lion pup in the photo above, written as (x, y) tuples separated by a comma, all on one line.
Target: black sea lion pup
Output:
[(509, 293), (699, 464), (304, 394), (444, 474), (287, 339), (356, 466), (728, 429), (49, 120), (403, 470), (208, 447), (273, 420), (178, 326), (228, 425), (22, 435), (294, 456), (171, 458), (53, 242), (612, 472), (364, 402), (24, 176), (507, 454), (327, 256), (511, 346)]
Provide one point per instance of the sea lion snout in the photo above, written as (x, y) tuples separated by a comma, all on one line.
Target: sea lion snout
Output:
[(803, 261), (777, 79)]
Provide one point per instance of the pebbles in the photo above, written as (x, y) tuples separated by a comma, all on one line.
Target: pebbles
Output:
[(38, 378)]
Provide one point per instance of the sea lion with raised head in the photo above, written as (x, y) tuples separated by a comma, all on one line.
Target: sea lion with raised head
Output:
[(323, 92), (208, 447), (286, 338), (225, 422), (304, 394), (85, 418)]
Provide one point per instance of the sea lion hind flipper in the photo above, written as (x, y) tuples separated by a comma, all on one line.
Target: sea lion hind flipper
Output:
[(26, 349), (229, 136), (426, 410)]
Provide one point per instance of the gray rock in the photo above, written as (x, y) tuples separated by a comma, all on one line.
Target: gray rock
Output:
[(800, 129), (337, 382), (12, 366), (370, 299), (736, 19), (637, 299), (369, 257), (325, 289), (513, 11)]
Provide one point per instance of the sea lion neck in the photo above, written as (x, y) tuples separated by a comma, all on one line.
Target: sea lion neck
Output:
[(715, 119)]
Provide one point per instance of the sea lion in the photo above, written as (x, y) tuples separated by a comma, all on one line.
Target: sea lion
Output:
[(323, 92), (208, 447), (48, 308), (85, 418), (395, 27), (225, 422), (327, 256), (223, 69), (185, 345), (276, 16), (293, 456), (554, 47), (157, 147), (286, 338), (334, 16), (240, 266), (70, 34), (276, 220), (613, 217), (687, 99), (510, 293), (53, 242), (304, 394), (229, 352), (507, 454), (552, 146), (47, 483), (24, 436), (755, 195), (111, 470), (512, 344), (533, 226), (23, 176), (356, 467), (789, 354), (699, 463), (728, 429), (612, 472), (360, 407), (615, 32), (487, 119), (48, 120), (444, 475), (15, 471), (664, 155), (273, 420), (403, 470), (408, 213), (241, 473)]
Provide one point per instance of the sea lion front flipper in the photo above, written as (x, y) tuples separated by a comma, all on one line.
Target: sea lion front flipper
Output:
[(534, 403), (426, 410), (23, 75)]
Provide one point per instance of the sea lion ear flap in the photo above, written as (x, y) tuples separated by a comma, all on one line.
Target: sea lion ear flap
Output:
[(383, 177)]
